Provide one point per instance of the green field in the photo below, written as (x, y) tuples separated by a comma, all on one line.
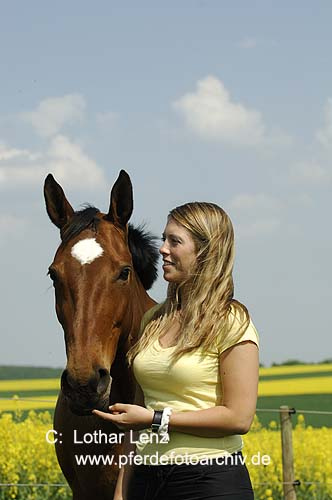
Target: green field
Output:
[(303, 387)]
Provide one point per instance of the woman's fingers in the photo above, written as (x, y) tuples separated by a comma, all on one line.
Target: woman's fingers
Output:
[(103, 415), (119, 408), (115, 419), (115, 409), (127, 416)]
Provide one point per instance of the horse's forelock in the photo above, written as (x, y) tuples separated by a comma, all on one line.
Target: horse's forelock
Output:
[(82, 219)]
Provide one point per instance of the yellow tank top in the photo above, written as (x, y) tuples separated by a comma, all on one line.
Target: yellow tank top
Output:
[(192, 383)]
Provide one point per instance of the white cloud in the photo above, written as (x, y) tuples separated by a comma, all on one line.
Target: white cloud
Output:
[(302, 200), (212, 115), (11, 153), (53, 113), (248, 43), (264, 226), (65, 159), (309, 172), (70, 164), (324, 136), (258, 202), (254, 215), (14, 175)]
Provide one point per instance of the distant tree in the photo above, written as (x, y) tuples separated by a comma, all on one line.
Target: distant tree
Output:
[(291, 362), (10, 372), (295, 362)]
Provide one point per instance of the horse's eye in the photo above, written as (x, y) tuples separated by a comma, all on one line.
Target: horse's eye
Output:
[(124, 274)]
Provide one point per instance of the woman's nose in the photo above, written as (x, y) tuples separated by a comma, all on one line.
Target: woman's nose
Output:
[(163, 249)]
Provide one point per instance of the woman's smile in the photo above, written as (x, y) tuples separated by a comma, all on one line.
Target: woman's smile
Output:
[(178, 251)]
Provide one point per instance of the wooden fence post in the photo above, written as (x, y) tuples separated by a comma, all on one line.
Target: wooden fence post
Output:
[(287, 453)]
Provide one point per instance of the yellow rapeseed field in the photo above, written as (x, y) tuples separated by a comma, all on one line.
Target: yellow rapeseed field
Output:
[(26, 457), (35, 402), (298, 385), (36, 384), (312, 461), (294, 369)]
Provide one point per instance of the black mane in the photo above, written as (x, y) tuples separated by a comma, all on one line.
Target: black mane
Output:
[(142, 244), (144, 250)]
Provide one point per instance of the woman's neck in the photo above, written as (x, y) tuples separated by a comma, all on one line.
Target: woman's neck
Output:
[(183, 296)]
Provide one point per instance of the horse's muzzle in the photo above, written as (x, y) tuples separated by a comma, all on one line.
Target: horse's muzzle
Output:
[(93, 394)]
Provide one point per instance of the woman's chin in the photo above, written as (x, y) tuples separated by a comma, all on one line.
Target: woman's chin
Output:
[(171, 278), (167, 278), (168, 275)]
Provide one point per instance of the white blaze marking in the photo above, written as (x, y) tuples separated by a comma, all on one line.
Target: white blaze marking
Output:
[(86, 251)]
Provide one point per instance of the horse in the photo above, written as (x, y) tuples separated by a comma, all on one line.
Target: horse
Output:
[(101, 272)]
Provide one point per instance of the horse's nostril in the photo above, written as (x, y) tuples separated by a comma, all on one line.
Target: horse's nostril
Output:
[(67, 382), (104, 380), (97, 384), (103, 373)]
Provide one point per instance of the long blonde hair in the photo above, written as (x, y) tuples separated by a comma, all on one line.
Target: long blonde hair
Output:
[(210, 312)]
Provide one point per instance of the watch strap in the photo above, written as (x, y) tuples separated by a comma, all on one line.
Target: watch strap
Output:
[(156, 421)]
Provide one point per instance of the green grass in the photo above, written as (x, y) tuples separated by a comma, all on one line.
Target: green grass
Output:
[(318, 402), (28, 372), (28, 394)]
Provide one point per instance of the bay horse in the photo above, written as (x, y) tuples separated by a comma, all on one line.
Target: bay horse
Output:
[(100, 274)]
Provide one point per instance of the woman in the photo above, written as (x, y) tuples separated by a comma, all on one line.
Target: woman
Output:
[(196, 364)]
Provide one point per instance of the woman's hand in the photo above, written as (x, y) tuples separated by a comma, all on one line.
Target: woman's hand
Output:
[(127, 417)]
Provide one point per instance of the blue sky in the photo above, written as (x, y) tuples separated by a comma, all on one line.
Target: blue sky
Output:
[(229, 102)]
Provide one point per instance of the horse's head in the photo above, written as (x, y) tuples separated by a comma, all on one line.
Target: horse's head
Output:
[(100, 273)]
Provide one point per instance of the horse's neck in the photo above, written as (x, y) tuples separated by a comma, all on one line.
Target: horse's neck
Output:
[(140, 303), (123, 382)]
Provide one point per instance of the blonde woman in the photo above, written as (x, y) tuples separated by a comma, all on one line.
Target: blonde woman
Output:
[(196, 367)]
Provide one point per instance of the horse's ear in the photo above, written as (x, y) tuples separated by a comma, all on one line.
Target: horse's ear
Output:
[(58, 207), (121, 202)]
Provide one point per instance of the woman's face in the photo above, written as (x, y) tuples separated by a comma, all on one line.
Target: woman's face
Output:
[(178, 252)]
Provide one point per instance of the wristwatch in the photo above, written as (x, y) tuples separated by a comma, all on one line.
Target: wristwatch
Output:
[(156, 421)]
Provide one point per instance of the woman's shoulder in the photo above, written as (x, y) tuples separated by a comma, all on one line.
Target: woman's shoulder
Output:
[(238, 319)]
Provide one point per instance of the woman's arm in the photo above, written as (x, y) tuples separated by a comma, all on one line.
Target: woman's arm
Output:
[(239, 376)]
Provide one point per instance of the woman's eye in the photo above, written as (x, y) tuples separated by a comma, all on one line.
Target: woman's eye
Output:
[(173, 241), (124, 274)]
